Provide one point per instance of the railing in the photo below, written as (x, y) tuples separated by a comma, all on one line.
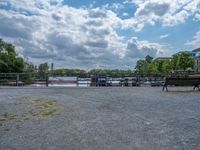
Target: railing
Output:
[(22, 79), (29, 79)]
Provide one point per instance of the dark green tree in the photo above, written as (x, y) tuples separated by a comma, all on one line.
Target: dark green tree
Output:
[(166, 66), (43, 69), (182, 61), (148, 59), (152, 68), (10, 62), (185, 61)]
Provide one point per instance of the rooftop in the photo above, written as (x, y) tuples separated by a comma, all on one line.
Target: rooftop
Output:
[(196, 50)]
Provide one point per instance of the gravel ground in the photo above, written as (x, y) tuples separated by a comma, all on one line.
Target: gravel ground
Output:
[(138, 118)]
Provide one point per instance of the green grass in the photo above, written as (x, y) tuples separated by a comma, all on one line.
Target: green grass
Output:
[(49, 112), (40, 107), (34, 108), (7, 117)]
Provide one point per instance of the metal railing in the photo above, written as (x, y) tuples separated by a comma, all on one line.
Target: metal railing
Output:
[(29, 79), (22, 79)]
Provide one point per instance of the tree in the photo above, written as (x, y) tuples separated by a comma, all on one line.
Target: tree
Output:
[(29, 68), (182, 61), (152, 69), (10, 62), (185, 61), (43, 69), (140, 66), (148, 59), (175, 62), (159, 65), (167, 66)]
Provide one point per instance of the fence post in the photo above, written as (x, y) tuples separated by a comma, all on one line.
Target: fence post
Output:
[(17, 79), (47, 80)]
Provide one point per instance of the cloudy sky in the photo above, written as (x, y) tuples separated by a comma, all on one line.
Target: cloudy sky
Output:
[(105, 34)]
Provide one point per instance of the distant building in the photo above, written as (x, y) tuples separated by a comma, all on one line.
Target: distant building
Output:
[(196, 57), (162, 58)]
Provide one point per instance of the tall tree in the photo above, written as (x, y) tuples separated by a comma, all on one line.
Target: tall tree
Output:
[(152, 69), (167, 66), (43, 69), (9, 60), (141, 66), (148, 59), (185, 61)]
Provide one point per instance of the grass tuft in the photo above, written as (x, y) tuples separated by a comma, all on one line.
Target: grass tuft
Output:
[(40, 107), (7, 117), (37, 108), (49, 112)]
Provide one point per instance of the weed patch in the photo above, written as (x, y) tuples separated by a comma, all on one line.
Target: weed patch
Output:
[(34, 108)]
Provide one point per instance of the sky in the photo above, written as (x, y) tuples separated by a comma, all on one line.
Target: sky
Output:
[(99, 34)]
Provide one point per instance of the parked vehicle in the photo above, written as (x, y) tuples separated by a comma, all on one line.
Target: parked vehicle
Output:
[(147, 83)]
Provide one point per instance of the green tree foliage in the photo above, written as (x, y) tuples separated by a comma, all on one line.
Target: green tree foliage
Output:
[(70, 72), (152, 68), (145, 66), (175, 62), (167, 66), (180, 61), (140, 66), (115, 72), (148, 59), (184, 61), (83, 73), (43, 69), (9, 60)]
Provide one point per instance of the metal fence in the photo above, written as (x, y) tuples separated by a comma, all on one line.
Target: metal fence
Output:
[(22, 79), (35, 79)]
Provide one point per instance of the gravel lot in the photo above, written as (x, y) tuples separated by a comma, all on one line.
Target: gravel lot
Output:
[(138, 118)]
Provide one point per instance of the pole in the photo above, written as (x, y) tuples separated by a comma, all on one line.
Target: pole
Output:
[(17, 79), (47, 80)]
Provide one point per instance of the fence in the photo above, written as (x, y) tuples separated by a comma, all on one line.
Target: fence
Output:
[(35, 79), (22, 79)]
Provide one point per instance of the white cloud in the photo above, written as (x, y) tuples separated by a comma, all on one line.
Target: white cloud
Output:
[(150, 8), (195, 42), (168, 12), (179, 17), (125, 14), (139, 49), (197, 16), (114, 6), (164, 36), (70, 37)]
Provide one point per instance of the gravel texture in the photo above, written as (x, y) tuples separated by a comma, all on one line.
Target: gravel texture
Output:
[(118, 118)]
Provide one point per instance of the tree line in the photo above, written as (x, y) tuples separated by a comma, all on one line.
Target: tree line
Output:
[(11, 62), (181, 61)]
